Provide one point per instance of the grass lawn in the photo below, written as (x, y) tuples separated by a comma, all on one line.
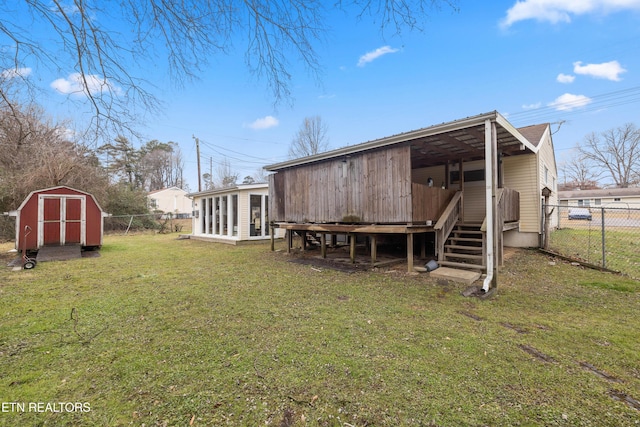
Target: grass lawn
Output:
[(166, 332)]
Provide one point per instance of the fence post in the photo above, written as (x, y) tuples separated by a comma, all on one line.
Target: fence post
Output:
[(604, 248)]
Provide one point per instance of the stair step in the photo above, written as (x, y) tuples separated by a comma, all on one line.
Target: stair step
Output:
[(464, 256), (473, 232), (469, 224), (461, 265), (464, 248), (466, 239)]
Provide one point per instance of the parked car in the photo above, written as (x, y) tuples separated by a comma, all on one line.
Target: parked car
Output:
[(580, 213)]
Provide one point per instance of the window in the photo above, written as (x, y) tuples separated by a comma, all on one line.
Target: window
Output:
[(258, 215), (597, 202), (617, 199), (469, 176), (234, 214), (255, 212)]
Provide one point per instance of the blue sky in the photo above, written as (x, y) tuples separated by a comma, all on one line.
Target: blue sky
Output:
[(534, 61)]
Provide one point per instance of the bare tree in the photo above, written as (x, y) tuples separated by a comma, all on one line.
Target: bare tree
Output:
[(580, 173), (225, 176), (617, 151), (104, 47), (35, 153), (310, 139)]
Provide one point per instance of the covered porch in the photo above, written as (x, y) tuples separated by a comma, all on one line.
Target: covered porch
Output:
[(414, 184)]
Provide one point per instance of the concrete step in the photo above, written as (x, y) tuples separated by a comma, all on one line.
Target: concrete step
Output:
[(456, 275), (58, 253)]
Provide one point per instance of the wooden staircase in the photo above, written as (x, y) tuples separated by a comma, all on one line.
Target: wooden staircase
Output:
[(464, 247)]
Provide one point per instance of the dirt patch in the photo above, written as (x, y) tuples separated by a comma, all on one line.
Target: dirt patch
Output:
[(471, 315), (623, 397), (598, 372), (516, 328), (321, 263), (537, 353)]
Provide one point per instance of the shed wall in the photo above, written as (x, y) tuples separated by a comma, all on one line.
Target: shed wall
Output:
[(28, 214)]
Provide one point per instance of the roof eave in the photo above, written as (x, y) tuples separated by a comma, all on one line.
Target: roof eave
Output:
[(396, 139)]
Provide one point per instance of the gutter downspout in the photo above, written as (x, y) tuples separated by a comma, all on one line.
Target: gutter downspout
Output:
[(488, 167)]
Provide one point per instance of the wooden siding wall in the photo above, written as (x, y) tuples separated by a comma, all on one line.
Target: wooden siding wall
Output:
[(429, 202), (371, 187), (510, 205), (276, 197)]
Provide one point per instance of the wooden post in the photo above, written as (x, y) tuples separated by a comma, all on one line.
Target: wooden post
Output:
[(410, 252), (303, 235), (461, 170), (289, 240), (546, 193), (374, 249), (352, 251), (273, 239), (323, 245)]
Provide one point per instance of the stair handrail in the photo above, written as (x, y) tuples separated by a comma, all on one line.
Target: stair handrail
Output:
[(447, 221), (499, 205)]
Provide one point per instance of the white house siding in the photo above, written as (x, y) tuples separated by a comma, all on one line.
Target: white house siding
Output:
[(605, 201), (547, 159), (171, 200), (521, 174), (243, 192)]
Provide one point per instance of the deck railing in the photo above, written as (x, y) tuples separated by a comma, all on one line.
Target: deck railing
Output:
[(507, 213), (447, 221)]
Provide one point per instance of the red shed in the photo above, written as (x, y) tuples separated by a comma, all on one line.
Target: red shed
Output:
[(58, 216)]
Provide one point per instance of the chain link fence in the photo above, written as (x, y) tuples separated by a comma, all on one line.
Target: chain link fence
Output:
[(606, 236), (117, 224), (159, 222)]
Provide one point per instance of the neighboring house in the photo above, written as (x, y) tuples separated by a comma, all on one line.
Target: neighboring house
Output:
[(429, 183), (58, 216), (606, 197), (171, 200), (233, 214)]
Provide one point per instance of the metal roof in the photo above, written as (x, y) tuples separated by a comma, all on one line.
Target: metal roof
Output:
[(438, 144)]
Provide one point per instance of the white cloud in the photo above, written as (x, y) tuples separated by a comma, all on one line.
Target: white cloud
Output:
[(375, 54), (75, 84), (15, 72), (607, 70), (532, 106), (569, 102), (264, 123), (555, 11), (565, 78)]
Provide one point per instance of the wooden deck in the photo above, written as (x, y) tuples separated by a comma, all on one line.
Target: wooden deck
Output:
[(351, 230)]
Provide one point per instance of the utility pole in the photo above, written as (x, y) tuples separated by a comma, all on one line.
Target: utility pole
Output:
[(198, 154)]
